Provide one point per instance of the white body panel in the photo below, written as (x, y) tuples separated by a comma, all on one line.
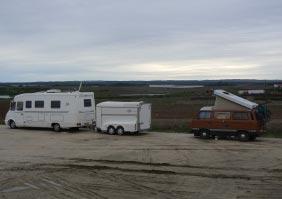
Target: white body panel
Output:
[(132, 116), (71, 112)]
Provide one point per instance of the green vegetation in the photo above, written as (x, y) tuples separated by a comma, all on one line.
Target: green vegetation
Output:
[(171, 112), (273, 133), (170, 125)]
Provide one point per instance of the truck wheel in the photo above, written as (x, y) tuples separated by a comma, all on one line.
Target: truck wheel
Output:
[(252, 137), (12, 124), (205, 134), (120, 130), (111, 130), (56, 127), (196, 134), (244, 136)]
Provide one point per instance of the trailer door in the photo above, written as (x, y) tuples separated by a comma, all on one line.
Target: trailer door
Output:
[(145, 117)]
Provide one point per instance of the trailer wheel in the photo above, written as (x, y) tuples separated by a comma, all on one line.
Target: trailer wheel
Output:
[(120, 130), (111, 130), (205, 134), (244, 136), (12, 124), (56, 127)]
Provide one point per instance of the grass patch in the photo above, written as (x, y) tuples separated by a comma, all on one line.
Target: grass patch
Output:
[(273, 133), (170, 125), (175, 130)]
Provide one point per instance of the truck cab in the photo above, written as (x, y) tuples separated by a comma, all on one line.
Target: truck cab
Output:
[(244, 125), (230, 116)]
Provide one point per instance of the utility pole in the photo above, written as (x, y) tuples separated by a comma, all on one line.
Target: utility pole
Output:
[(80, 86)]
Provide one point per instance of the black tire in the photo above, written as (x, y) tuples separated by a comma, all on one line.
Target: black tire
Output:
[(252, 137), (12, 124), (74, 129), (196, 134), (111, 130), (244, 136), (204, 134), (56, 127), (134, 133), (120, 130)]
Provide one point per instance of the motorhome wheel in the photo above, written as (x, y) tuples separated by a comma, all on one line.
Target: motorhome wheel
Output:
[(12, 124), (56, 128)]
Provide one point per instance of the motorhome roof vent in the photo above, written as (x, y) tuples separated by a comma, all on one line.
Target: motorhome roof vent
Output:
[(53, 91)]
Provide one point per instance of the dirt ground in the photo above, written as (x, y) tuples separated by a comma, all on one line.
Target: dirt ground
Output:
[(43, 164)]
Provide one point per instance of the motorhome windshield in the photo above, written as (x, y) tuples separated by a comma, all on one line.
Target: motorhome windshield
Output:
[(13, 106)]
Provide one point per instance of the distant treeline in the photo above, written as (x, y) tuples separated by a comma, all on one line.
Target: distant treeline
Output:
[(229, 82)]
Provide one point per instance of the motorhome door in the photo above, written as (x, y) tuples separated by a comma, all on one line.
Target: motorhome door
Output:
[(19, 114)]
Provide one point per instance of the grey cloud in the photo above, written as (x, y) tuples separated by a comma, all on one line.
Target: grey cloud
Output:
[(133, 39)]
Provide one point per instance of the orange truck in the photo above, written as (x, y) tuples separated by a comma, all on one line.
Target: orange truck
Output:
[(231, 117)]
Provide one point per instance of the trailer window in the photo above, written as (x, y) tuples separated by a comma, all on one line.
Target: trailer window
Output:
[(87, 103), (19, 106), (28, 104), (205, 115), (240, 116), (13, 106), (39, 104), (55, 104), (222, 115)]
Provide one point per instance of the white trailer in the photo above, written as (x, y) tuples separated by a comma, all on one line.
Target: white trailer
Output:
[(119, 117), (52, 109)]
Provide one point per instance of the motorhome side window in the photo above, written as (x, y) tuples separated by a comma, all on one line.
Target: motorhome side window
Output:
[(205, 115), (13, 106), (55, 104), (240, 116), (87, 103), (222, 115), (19, 106), (39, 104), (28, 104)]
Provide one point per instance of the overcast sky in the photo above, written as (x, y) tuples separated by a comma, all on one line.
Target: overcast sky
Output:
[(52, 40)]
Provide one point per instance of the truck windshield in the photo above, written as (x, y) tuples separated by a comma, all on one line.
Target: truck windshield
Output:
[(13, 106)]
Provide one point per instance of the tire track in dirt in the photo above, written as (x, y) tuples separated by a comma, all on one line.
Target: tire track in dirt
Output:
[(125, 162), (197, 173)]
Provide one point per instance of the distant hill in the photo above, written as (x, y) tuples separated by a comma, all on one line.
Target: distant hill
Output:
[(228, 82)]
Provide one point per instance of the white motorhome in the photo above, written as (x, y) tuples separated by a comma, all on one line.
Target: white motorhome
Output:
[(119, 117), (52, 109)]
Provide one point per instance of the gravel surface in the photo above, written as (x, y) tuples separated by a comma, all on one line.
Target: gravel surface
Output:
[(36, 163)]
